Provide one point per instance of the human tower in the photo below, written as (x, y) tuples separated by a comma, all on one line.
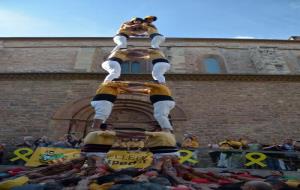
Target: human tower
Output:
[(112, 86), (99, 143)]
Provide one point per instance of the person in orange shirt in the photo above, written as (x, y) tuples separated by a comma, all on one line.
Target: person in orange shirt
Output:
[(104, 100), (138, 27), (161, 99), (156, 38), (190, 141), (126, 30), (114, 61)]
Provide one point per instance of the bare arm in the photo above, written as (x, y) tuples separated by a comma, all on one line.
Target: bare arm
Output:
[(138, 91), (132, 84)]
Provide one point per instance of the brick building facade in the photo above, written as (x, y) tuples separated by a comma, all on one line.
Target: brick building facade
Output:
[(222, 87)]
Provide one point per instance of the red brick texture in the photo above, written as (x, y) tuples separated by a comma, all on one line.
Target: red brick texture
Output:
[(265, 110)]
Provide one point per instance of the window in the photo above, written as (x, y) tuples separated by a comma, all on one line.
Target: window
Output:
[(212, 65), (125, 68), (279, 67), (131, 68), (135, 67)]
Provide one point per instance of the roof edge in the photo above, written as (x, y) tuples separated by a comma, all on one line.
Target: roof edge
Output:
[(170, 77), (168, 38)]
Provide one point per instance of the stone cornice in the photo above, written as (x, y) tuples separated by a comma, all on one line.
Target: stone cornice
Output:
[(184, 39), (107, 42), (170, 77)]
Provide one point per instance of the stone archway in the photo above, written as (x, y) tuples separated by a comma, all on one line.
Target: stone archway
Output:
[(130, 111)]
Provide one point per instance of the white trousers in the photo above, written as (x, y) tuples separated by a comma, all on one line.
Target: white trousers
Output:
[(157, 40), (121, 42), (113, 68), (161, 112), (102, 108), (158, 71)]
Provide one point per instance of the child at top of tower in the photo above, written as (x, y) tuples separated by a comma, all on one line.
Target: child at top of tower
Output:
[(138, 27)]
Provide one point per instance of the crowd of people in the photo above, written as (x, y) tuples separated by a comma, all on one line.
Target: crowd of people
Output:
[(288, 144), (67, 141), (166, 172), (231, 154)]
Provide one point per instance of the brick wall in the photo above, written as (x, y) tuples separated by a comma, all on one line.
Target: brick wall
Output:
[(265, 110), (185, 55), (215, 109)]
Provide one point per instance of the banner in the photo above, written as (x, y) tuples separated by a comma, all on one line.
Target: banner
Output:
[(49, 155), (120, 159)]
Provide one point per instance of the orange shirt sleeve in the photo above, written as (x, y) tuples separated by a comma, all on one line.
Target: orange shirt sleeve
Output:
[(152, 85)]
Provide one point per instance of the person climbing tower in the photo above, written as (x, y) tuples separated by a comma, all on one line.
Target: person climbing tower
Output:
[(138, 27), (161, 99), (103, 102), (156, 38), (159, 61)]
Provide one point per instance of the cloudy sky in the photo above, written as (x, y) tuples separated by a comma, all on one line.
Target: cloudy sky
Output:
[(271, 19)]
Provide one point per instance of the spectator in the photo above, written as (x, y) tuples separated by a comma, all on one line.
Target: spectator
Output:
[(254, 145), (297, 145), (27, 142), (232, 144), (42, 142), (190, 141), (62, 143), (276, 184), (2, 149), (288, 145), (256, 185), (72, 140)]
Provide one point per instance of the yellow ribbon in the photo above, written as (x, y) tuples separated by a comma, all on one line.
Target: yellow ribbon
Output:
[(21, 155), (257, 161), (187, 157)]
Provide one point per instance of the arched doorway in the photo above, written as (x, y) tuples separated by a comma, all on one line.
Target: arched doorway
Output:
[(129, 111)]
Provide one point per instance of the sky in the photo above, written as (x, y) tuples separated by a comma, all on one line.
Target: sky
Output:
[(261, 19)]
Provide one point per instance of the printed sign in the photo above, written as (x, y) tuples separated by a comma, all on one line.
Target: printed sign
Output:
[(120, 159), (48, 155)]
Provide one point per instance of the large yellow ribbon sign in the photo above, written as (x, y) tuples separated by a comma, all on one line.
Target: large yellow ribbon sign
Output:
[(22, 153), (256, 160), (51, 155), (186, 157), (120, 159)]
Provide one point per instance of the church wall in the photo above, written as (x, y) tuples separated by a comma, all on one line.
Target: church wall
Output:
[(265, 110), (185, 55)]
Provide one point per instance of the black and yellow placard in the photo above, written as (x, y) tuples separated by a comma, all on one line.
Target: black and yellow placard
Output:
[(256, 158), (48, 155), (121, 159), (186, 156), (22, 154)]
